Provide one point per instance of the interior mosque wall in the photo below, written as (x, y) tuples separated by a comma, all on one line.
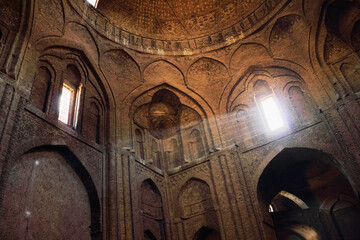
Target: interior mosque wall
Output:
[(166, 138)]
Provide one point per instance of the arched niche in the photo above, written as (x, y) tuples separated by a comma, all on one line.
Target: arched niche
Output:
[(155, 154), (89, 102), (208, 77), (94, 122), (301, 104), (139, 143), (195, 198), (49, 194), (295, 183), (243, 106), (41, 90), (152, 214), (340, 18), (197, 146), (77, 66), (143, 95), (341, 51), (287, 32), (170, 125), (242, 126), (295, 105), (175, 153), (196, 208)]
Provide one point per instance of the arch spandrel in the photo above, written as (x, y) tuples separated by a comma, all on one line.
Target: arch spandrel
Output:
[(161, 71), (209, 77)]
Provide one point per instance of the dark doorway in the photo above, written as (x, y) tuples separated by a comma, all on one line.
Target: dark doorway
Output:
[(207, 234), (308, 196)]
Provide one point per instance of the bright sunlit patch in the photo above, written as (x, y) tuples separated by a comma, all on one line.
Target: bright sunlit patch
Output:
[(272, 114), (271, 209), (93, 2), (65, 104), (27, 213), (77, 105)]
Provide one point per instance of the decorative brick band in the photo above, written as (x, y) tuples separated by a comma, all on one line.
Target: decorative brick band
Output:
[(225, 37)]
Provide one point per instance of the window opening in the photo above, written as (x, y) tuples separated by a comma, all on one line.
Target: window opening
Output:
[(77, 106), (271, 113), (271, 209), (67, 95), (94, 3), (69, 105)]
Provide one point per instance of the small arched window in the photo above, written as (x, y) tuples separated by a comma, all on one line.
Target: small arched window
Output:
[(41, 89), (271, 113), (94, 116), (196, 145), (69, 105), (301, 105), (155, 154), (139, 143), (243, 124), (174, 154)]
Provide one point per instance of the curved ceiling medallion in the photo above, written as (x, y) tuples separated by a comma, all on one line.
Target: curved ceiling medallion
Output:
[(177, 27)]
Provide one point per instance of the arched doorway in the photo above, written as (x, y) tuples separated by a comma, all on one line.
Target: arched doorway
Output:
[(49, 195), (206, 233), (304, 194)]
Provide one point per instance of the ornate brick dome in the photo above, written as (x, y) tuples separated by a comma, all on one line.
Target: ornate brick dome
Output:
[(175, 27), (176, 19)]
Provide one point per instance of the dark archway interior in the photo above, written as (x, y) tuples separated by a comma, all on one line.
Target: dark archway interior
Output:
[(206, 233), (298, 184)]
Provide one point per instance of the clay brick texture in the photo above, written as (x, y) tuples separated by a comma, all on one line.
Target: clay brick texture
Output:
[(179, 119)]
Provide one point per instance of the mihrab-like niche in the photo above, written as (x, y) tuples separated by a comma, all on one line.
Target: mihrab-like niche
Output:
[(170, 129)]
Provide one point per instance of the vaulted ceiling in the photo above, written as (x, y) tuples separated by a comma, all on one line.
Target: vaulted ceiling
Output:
[(176, 19)]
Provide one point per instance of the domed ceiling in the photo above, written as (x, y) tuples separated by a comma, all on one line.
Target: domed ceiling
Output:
[(176, 19), (177, 27)]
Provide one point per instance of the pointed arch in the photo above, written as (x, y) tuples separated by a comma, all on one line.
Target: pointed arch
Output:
[(15, 59), (144, 95), (151, 197), (84, 62), (152, 210), (207, 73), (308, 174), (169, 73), (194, 192), (60, 147)]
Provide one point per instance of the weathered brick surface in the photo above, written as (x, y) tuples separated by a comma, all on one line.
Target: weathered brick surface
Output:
[(171, 141)]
